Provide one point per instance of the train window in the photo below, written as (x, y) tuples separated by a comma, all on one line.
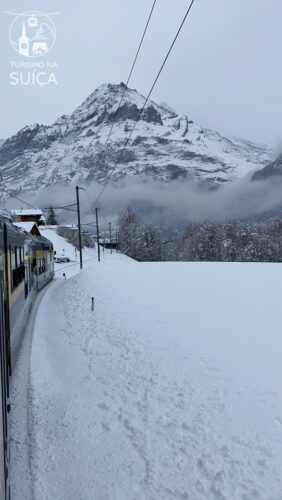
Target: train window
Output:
[(13, 268), (41, 266), (31, 274), (16, 271), (16, 266), (20, 265), (18, 249)]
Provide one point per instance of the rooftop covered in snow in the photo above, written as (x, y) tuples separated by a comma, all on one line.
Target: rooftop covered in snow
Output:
[(27, 211), (28, 227)]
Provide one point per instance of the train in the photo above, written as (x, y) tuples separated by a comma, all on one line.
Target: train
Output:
[(26, 266)]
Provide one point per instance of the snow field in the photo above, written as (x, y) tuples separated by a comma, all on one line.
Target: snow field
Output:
[(170, 389), (65, 249)]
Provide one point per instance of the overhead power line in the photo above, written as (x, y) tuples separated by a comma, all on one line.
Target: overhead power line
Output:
[(86, 194), (141, 42), (61, 208), (129, 76), (65, 207), (127, 81), (25, 202), (145, 102)]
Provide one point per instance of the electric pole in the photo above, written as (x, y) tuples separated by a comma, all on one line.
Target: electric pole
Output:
[(110, 231), (78, 225), (97, 230)]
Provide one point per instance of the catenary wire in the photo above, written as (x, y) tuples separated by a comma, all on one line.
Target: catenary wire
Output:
[(146, 100), (127, 81)]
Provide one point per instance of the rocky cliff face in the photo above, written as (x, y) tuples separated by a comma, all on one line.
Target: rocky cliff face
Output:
[(164, 145), (271, 171)]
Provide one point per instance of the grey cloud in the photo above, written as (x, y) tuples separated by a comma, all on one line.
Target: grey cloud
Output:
[(174, 204)]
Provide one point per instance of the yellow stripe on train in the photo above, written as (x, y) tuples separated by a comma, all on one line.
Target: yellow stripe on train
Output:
[(40, 254)]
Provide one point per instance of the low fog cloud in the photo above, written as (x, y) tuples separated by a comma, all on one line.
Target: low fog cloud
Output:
[(183, 202), (174, 204)]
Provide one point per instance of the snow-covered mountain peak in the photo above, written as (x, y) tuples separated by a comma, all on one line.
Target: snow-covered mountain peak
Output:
[(164, 145), (101, 107)]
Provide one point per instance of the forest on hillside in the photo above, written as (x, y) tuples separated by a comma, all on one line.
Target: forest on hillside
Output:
[(208, 241)]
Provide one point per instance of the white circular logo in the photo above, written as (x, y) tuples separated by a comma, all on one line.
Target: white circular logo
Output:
[(32, 33)]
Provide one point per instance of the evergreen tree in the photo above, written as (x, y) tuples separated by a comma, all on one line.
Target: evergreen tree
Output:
[(51, 217), (137, 239)]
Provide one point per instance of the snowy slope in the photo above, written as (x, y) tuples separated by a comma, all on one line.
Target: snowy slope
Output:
[(148, 397), (164, 146), (65, 249), (61, 246)]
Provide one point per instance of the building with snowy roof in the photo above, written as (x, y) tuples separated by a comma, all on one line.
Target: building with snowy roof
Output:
[(28, 227), (28, 215)]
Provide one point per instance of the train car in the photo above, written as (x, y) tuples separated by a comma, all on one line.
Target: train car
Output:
[(44, 256), (26, 265), (21, 282), (4, 374), (4, 401)]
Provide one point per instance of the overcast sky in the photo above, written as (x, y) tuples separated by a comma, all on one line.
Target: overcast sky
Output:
[(225, 71)]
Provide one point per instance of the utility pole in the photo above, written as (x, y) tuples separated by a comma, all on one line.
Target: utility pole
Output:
[(110, 230), (78, 224), (97, 230)]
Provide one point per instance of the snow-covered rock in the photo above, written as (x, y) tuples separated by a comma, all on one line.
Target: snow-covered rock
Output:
[(164, 145)]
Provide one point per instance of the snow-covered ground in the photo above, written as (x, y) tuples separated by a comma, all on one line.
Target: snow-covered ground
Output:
[(65, 249), (170, 389)]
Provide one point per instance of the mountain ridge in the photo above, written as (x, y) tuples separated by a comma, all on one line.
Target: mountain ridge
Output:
[(270, 171), (164, 146)]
